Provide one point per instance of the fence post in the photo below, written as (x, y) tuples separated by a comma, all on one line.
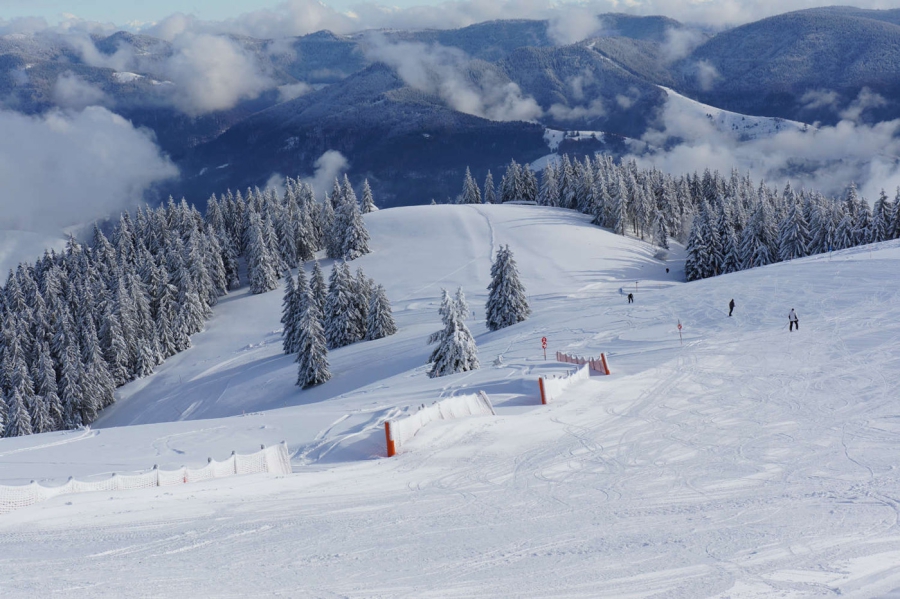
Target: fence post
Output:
[(543, 393), (605, 363), (389, 437)]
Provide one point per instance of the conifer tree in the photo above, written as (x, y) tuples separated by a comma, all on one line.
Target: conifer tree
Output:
[(368, 203), (312, 353), (793, 238), (340, 329), (507, 303), (289, 315), (317, 288), (549, 193), (470, 193), (456, 350), (490, 194), (261, 264), (361, 293), (510, 184), (381, 320), (45, 386)]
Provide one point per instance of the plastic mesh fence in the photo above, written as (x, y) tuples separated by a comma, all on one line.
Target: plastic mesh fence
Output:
[(274, 460), (453, 407)]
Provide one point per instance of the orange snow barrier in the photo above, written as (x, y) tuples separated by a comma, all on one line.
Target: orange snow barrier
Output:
[(596, 365), (398, 432), (391, 446), (553, 387), (605, 364)]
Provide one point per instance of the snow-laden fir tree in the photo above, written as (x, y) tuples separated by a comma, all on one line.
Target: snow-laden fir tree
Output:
[(381, 319), (793, 236), (456, 350), (312, 353), (507, 302), (349, 237), (262, 267), (317, 288), (490, 194), (361, 292), (549, 192), (511, 183), (340, 319), (289, 315), (368, 203), (470, 193)]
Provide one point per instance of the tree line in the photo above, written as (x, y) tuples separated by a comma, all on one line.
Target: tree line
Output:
[(79, 323), (728, 223)]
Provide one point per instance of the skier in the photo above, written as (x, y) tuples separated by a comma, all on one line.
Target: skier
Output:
[(730, 307), (793, 320), (630, 298)]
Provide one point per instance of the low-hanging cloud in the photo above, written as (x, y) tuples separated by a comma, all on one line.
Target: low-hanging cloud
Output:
[(72, 92), (63, 168), (446, 73), (208, 72), (827, 159), (213, 73), (331, 164), (573, 23)]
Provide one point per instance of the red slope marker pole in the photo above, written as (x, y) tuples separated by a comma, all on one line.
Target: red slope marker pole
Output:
[(391, 447)]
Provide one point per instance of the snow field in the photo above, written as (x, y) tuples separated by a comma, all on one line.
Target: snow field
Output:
[(747, 462)]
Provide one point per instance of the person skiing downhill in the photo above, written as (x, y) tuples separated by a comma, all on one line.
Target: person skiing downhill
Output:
[(630, 298), (793, 320), (730, 307)]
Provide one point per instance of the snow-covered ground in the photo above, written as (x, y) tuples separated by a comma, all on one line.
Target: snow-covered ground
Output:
[(740, 126), (747, 462)]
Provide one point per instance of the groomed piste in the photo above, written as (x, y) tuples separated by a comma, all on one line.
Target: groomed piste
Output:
[(749, 461)]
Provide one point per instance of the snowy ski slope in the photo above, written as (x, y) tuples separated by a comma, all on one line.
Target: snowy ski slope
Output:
[(747, 462)]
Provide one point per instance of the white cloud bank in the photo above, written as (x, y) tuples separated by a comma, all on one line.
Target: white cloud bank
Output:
[(65, 168), (445, 72), (827, 159)]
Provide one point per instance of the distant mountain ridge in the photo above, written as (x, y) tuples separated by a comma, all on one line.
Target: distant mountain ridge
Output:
[(413, 144)]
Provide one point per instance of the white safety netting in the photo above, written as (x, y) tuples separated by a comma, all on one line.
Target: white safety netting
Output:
[(554, 387), (274, 460), (453, 407)]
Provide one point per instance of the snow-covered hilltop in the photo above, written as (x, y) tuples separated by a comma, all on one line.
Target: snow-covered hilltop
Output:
[(746, 462)]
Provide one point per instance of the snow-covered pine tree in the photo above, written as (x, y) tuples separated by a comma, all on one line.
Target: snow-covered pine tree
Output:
[(490, 194), (381, 319), (368, 202), (260, 263), (349, 236), (881, 218), (470, 193), (361, 293), (318, 291), (312, 353), (45, 386), (510, 184), (289, 315), (565, 176), (529, 184), (695, 265), (456, 350), (660, 236), (17, 381), (340, 329), (507, 302), (549, 193), (793, 237)]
